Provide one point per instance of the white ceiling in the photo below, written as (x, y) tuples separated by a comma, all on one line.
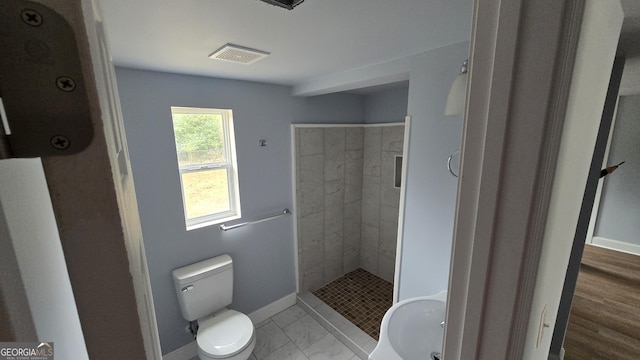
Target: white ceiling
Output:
[(318, 38)]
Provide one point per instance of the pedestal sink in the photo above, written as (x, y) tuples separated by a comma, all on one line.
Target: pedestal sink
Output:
[(412, 329)]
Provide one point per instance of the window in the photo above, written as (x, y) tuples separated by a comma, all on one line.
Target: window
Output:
[(206, 154)]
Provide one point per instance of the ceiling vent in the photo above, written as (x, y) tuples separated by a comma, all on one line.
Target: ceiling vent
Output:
[(238, 54), (287, 4)]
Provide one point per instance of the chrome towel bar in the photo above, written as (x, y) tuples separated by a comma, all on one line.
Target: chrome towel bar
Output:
[(224, 227)]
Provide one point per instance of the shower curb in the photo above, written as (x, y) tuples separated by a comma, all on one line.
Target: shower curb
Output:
[(355, 339)]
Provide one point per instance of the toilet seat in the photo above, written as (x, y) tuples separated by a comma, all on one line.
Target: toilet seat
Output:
[(225, 334)]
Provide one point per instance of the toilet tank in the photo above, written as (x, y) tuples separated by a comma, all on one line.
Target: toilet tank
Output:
[(205, 287)]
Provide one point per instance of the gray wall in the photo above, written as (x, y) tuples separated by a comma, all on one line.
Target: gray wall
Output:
[(264, 253), (386, 106), (619, 209), (29, 219), (380, 200), (431, 190)]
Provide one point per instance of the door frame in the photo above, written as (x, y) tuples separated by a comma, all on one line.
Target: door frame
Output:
[(521, 66)]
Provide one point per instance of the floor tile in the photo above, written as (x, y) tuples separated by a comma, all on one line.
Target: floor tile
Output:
[(288, 316), (305, 331), (328, 348), (288, 351), (268, 338), (262, 323)]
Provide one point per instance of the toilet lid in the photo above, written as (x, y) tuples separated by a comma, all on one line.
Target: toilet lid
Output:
[(225, 334)]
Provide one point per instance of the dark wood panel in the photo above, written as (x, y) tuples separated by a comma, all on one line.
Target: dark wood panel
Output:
[(605, 315)]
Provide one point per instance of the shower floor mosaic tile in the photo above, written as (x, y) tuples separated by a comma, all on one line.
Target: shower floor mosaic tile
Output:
[(361, 297)]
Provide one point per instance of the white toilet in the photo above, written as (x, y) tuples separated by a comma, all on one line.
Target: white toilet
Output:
[(204, 290)]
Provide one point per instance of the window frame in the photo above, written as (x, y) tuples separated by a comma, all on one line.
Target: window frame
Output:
[(231, 165)]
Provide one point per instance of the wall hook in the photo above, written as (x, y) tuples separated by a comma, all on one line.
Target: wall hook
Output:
[(449, 162)]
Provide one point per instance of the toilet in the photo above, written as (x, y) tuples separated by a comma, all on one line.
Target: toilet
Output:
[(204, 291)]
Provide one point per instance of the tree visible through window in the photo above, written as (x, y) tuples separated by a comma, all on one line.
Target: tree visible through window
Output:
[(206, 159)]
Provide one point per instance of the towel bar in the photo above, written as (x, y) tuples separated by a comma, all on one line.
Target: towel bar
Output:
[(224, 227)]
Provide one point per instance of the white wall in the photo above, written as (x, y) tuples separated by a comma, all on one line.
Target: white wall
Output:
[(30, 220), (431, 190)]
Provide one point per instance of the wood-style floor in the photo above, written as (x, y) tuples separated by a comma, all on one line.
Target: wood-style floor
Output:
[(605, 316)]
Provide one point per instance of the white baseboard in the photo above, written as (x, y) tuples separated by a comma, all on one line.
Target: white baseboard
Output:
[(275, 307), (616, 245), (562, 353), (184, 353), (191, 349)]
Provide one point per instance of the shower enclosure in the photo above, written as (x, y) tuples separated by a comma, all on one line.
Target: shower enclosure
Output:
[(347, 189)]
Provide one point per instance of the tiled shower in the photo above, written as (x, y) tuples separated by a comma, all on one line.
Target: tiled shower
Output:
[(347, 200)]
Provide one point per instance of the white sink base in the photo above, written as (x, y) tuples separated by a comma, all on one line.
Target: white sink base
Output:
[(412, 329)]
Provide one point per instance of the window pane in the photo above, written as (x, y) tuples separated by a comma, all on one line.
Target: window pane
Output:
[(199, 138), (205, 192)]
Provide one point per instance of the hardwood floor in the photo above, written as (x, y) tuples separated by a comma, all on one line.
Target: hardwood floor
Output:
[(605, 315)]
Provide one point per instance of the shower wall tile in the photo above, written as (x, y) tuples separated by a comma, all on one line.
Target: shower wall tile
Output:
[(335, 141), (333, 207), (309, 171), (371, 189), (386, 267), (351, 244), (347, 205), (333, 256), (388, 231), (380, 199), (311, 237), (369, 260), (354, 138), (352, 223), (393, 138), (311, 141), (334, 154), (372, 144), (333, 244), (309, 185), (313, 278), (353, 175), (352, 231), (389, 215), (370, 238), (334, 169), (389, 196), (369, 247), (351, 261), (310, 202), (370, 213)]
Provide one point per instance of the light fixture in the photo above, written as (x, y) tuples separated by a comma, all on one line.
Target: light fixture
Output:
[(287, 4), (457, 93)]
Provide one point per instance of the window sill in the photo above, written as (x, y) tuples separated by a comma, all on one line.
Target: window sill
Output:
[(212, 222)]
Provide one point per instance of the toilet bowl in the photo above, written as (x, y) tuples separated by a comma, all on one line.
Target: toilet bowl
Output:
[(204, 291), (227, 335)]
